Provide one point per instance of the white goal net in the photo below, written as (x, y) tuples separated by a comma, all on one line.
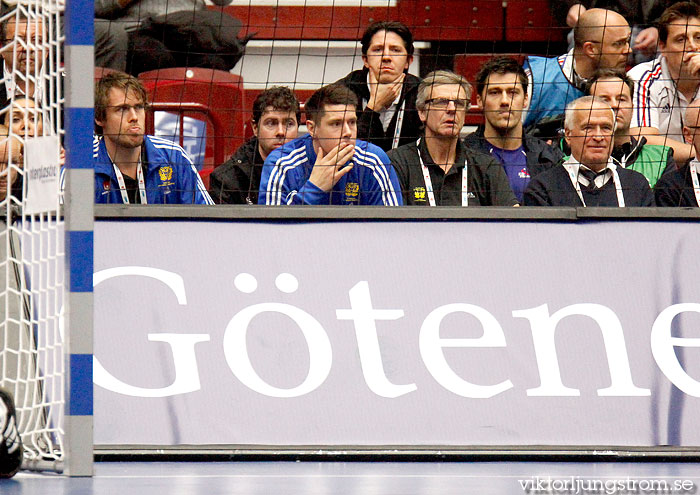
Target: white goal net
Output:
[(31, 262)]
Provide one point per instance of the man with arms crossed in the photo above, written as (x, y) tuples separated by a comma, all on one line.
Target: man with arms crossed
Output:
[(329, 165), (131, 167), (681, 187), (501, 87), (664, 86), (386, 92), (437, 169), (589, 177), (276, 117)]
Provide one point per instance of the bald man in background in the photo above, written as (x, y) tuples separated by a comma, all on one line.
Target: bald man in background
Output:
[(601, 41)]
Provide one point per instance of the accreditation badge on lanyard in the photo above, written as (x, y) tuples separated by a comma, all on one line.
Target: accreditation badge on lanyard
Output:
[(694, 177), (122, 185), (429, 182), (572, 169)]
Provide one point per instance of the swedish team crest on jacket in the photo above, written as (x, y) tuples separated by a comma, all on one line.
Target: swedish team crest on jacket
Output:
[(419, 193), (165, 173), (352, 189)]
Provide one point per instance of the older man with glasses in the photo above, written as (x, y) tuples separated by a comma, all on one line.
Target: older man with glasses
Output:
[(437, 169)]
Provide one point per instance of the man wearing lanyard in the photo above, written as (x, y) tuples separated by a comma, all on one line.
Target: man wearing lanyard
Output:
[(589, 177), (437, 169), (502, 94), (682, 187), (664, 86), (131, 167), (386, 92), (615, 88), (329, 166)]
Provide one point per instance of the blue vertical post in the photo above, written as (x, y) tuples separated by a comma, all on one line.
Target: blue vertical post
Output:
[(79, 221)]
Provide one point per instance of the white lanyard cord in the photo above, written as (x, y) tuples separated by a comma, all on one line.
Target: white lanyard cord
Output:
[(122, 185), (573, 176), (399, 123), (696, 183), (429, 182)]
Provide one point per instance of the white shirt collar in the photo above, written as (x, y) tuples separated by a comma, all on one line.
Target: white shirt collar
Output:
[(14, 90), (573, 165)]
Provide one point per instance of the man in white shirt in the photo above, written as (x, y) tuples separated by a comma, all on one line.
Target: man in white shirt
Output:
[(17, 59), (665, 85)]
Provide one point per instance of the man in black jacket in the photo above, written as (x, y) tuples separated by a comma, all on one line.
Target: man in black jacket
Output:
[(589, 177), (439, 170), (276, 117), (681, 187), (387, 115), (501, 87)]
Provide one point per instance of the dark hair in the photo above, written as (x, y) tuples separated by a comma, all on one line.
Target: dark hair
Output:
[(500, 65), (391, 27), (677, 11), (280, 98), (609, 74), (120, 80), (18, 17), (332, 94)]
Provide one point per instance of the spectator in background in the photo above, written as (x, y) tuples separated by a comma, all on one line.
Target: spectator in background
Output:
[(615, 88), (386, 92), (131, 167), (601, 41), (640, 14), (681, 187), (589, 177), (329, 166), (27, 61), (438, 170), (111, 44), (26, 120), (276, 118), (11, 160), (502, 94), (665, 85), (169, 33)]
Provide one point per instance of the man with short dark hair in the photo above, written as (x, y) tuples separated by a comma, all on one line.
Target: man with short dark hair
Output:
[(131, 167), (615, 88), (665, 85), (601, 40), (589, 177), (276, 117), (438, 170), (502, 94), (329, 165), (385, 91)]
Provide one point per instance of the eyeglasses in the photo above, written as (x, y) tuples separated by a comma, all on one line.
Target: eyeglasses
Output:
[(442, 103)]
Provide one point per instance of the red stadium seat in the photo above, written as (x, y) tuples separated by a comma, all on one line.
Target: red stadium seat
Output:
[(205, 94)]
